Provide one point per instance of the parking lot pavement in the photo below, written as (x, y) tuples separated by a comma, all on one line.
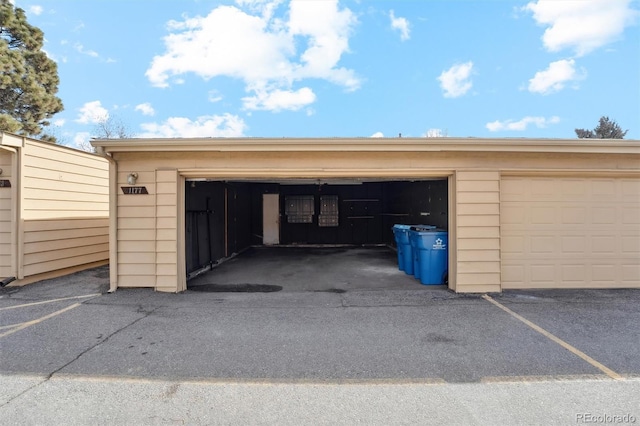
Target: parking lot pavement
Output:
[(65, 338), (71, 326), (603, 323)]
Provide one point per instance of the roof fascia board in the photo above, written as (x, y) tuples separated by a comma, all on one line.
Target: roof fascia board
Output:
[(603, 146), (9, 139)]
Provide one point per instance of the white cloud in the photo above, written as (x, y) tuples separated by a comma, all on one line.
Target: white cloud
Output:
[(540, 122), (456, 80), (80, 48), (59, 122), (145, 109), (267, 53), (226, 125), (554, 78), (36, 10), (377, 135), (92, 112), (327, 30), (278, 100), (214, 96), (265, 8), (581, 25), (400, 24), (81, 141)]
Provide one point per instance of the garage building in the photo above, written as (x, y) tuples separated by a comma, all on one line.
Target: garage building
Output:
[(520, 213), (54, 210)]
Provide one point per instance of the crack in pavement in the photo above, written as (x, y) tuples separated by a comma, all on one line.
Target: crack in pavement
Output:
[(50, 375)]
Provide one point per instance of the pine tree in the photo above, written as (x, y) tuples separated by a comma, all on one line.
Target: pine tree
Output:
[(28, 78), (606, 129)]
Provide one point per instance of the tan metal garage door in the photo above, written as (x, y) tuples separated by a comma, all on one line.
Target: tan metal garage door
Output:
[(568, 232)]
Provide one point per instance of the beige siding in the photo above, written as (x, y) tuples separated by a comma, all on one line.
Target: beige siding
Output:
[(6, 212), (58, 182), (148, 230), (64, 200), (478, 231), (53, 244), (137, 234), (570, 232), (167, 231)]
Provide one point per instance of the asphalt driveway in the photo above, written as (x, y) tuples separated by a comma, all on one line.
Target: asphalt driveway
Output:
[(72, 326), (339, 353)]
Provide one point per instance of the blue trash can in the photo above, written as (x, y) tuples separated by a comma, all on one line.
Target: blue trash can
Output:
[(405, 251), (430, 254), (405, 257)]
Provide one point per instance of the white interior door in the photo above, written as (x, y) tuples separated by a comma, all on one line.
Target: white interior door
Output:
[(270, 219)]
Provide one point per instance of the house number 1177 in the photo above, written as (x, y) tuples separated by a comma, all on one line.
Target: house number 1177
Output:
[(134, 190)]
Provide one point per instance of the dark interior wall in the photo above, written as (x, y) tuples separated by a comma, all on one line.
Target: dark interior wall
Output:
[(223, 218), (218, 221), (367, 212), (204, 223), (239, 215)]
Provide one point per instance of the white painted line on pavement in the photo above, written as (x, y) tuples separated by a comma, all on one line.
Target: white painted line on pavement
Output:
[(24, 305), (39, 320), (609, 372)]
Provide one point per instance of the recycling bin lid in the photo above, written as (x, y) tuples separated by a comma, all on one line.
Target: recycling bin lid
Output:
[(400, 226), (422, 228)]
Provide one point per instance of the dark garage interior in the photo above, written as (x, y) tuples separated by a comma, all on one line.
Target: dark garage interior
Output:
[(226, 218)]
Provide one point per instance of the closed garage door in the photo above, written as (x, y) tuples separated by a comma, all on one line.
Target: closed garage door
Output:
[(568, 232)]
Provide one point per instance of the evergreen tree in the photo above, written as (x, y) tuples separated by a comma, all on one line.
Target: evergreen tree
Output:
[(606, 129), (28, 78)]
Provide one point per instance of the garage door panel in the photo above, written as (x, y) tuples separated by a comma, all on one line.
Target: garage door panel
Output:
[(605, 189), (543, 215), (631, 215), (543, 273), (570, 232), (630, 244), (631, 188), (573, 273), (542, 188), (604, 215), (605, 244), (512, 274), (572, 244), (513, 244), (542, 244), (604, 273), (512, 215), (574, 215), (574, 189), (630, 273)]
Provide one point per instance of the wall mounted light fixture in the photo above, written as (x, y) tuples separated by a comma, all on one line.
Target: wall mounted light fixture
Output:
[(131, 179)]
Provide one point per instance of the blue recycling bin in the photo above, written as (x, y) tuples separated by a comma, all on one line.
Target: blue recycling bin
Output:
[(430, 254), (405, 251)]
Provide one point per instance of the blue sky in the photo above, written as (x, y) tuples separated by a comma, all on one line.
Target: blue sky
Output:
[(353, 68)]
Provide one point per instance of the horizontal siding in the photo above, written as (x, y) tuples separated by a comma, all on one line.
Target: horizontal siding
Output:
[(62, 234), (59, 182), (478, 231), (35, 247), (5, 215), (136, 281), (136, 232), (50, 245), (70, 262), (167, 230)]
